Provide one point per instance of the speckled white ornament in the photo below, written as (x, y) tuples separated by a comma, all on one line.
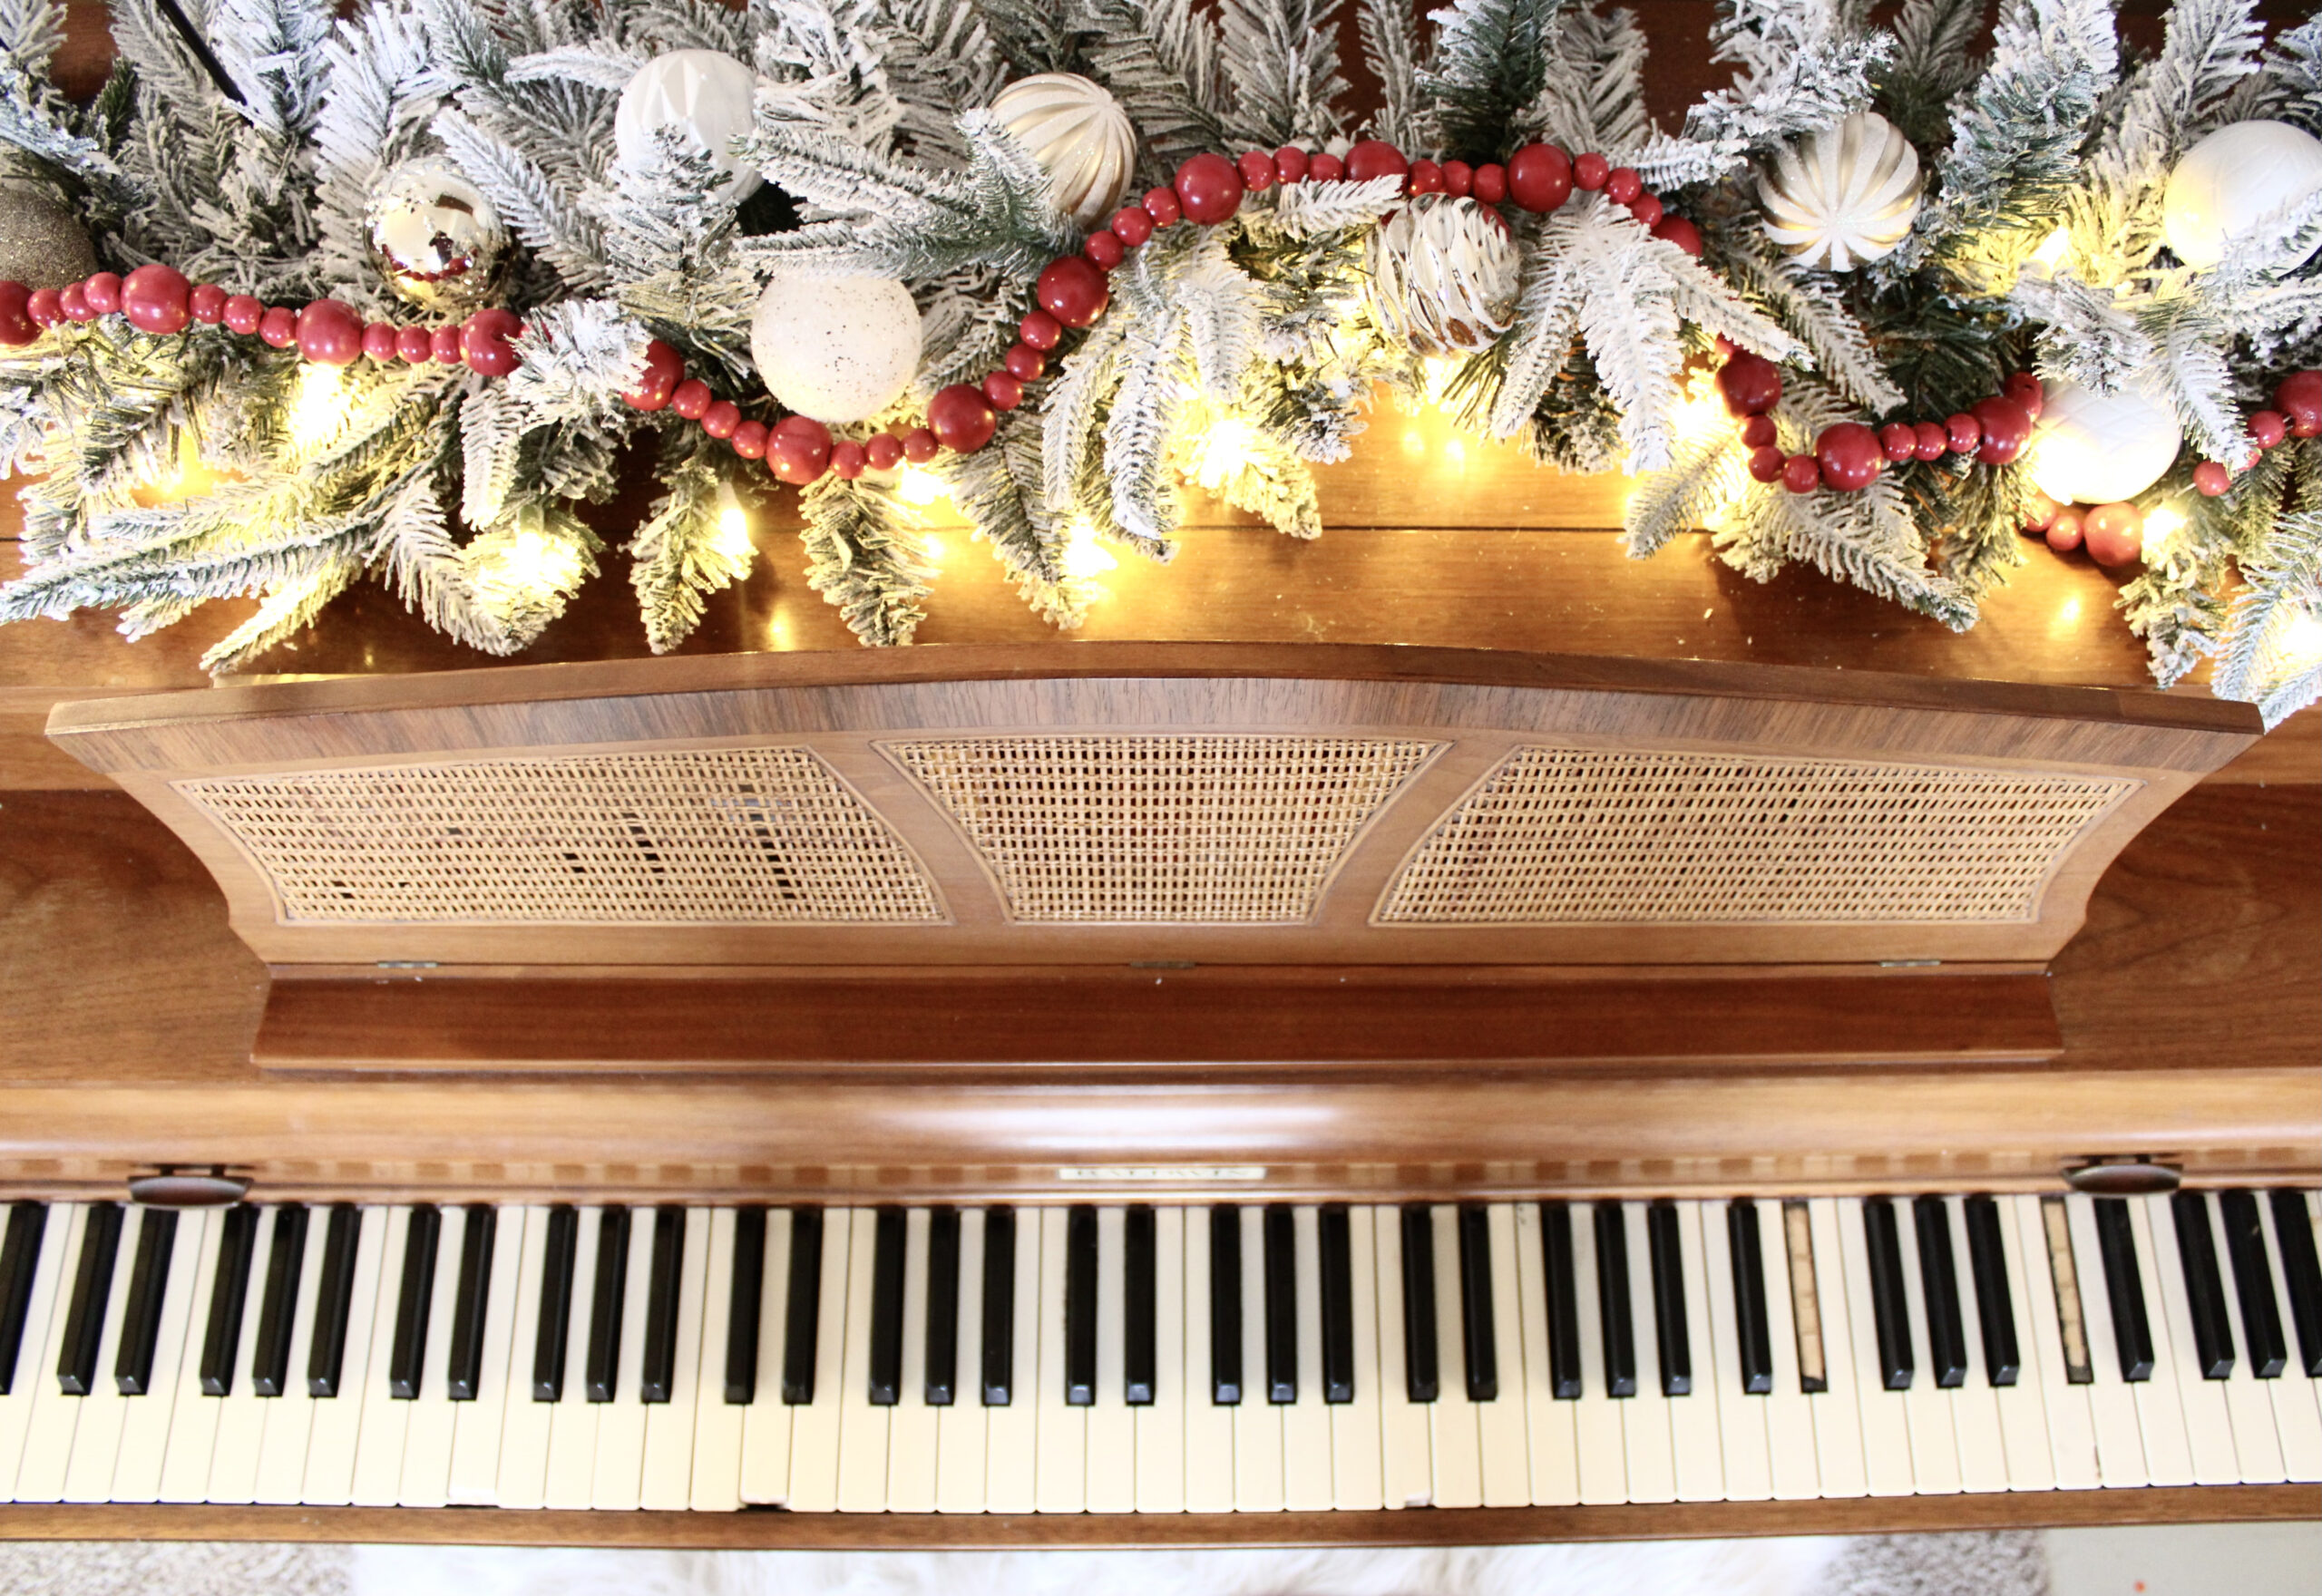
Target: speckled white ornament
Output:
[(1844, 196), (2091, 448), (838, 349), (1444, 274), (1079, 134), (2233, 180), (705, 93)]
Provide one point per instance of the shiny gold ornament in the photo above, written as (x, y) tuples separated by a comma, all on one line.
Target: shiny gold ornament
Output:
[(1444, 274), (41, 243), (440, 242), (1844, 196), (1081, 134)]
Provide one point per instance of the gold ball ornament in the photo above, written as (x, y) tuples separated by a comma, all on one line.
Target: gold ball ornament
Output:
[(2091, 448), (2232, 180), (41, 243), (1844, 196), (440, 243), (1081, 134), (1444, 274)]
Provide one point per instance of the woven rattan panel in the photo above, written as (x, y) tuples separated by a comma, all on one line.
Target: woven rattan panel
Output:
[(1564, 836), (1215, 830), (738, 836)]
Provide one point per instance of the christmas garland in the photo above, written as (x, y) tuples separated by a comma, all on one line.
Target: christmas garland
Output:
[(1012, 246)]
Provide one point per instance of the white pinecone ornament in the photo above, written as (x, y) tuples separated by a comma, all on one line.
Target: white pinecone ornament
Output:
[(1444, 274), (1844, 196), (1081, 134)]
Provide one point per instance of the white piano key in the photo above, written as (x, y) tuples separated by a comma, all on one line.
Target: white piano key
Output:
[(193, 1418), (1645, 1417), (1885, 1425), (1258, 1422), (48, 1435), (2024, 1407), (1060, 1472), (2297, 1416), (1549, 1443), (96, 1437), (962, 1439), (1974, 1405), (35, 1355), (1838, 1410), (2111, 1401), (2209, 1428), (667, 1484), (913, 1426), (145, 1434), (1306, 1483), (1453, 1433), (1011, 1482), (2160, 1407), (522, 1477), (715, 1477), (1112, 1422), (1209, 1429), (427, 1444), (2249, 1406), (290, 1417), (1717, 1364), (2071, 1426), (767, 1420), (1356, 1482), (814, 1426), (1501, 1422), (1597, 1416), (863, 1430), (1161, 1425), (1927, 1406), (241, 1412), (1695, 1420), (1406, 1448), (573, 1419), (1790, 1414), (478, 1427)]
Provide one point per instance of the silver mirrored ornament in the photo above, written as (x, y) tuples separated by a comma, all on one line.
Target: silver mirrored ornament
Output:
[(439, 242)]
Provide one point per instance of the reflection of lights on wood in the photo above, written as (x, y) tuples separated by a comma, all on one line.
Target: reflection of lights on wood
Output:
[(733, 538), (934, 547), (2067, 616), (917, 487), (1414, 441)]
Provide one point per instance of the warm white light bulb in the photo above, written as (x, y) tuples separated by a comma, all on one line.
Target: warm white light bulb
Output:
[(1084, 557), (1223, 452), (919, 487), (2162, 525), (315, 411)]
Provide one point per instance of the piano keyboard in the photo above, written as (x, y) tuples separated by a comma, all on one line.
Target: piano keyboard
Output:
[(1157, 1359)]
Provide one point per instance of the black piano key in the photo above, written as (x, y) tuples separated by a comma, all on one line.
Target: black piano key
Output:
[(407, 1359), (559, 1261), (2301, 1275), (2124, 1288), (887, 1372), (278, 1311), (1612, 1308), (1564, 1301), (149, 1282), (1947, 1323), (1751, 1328), (333, 1300), (1224, 1305), (743, 1306), (2204, 1286), (471, 1301), (1338, 1304), (84, 1319), (1671, 1337), (2253, 1284), (943, 1306), (1080, 1306), (600, 1374), (1140, 1356), (19, 1263), (801, 1329), (1890, 1303), (230, 1287), (1995, 1302), (1282, 1304), (665, 1285), (998, 1377), (1479, 1336), (1422, 1377)]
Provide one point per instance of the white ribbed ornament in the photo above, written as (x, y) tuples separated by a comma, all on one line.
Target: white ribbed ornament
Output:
[(1444, 274), (2233, 179), (1844, 196), (1081, 134)]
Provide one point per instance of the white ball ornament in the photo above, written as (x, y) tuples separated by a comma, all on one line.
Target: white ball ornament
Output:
[(1844, 196), (838, 349), (2091, 448), (707, 93), (1081, 134), (2231, 180)]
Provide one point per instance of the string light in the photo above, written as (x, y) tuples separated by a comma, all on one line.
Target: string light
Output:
[(316, 413), (2053, 252), (534, 563), (1084, 557), (2163, 523), (733, 538), (919, 487), (1221, 453), (2302, 642)]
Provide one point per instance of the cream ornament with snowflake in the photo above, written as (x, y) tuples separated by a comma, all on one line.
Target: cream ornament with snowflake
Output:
[(1844, 196)]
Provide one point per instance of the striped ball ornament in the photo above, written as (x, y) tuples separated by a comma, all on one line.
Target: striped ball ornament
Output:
[(1844, 196)]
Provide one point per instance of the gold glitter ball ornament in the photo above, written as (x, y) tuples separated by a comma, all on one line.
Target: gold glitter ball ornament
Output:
[(41, 243), (1444, 274), (1844, 196), (1079, 134), (440, 243)]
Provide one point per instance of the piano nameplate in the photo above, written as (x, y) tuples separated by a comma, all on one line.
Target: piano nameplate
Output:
[(1160, 1174)]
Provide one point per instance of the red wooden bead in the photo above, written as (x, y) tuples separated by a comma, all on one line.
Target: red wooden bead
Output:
[(961, 418), (885, 451), (800, 454), (1131, 226), (444, 344), (1375, 157), (2063, 532), (1750, 383), (1003, 390), (1963, 433), (1161, 205), (1680, 232), (1726, 348), (1024, 362), (1459, 178), (1072, 290), (1646, 208), (1209, 190), (2267, 428), (1040, 329), (2040, 511), (1933, 440), (329, 333), (483, 342), (103, 291), (1622, 184), (2024, 388), (379, 341), (2210, 479), (17, 327), (207, 303), (1849, 456), (157, 300), (691, 398), (665, 368), (1105, 251), (1491, 184), (1539, 178), (73, 301), (1758, 432), (2007, 427), (1322, 167), (749, 440), (721, 418), (2114, 534), (1256, 167), (1802, 474), (1766, 463), (278, 327), (1425, 177), (920, 445), (1290, 165), (2299, 398), (847, 460), (45, 307), (1899, 439), (1590, 171)]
